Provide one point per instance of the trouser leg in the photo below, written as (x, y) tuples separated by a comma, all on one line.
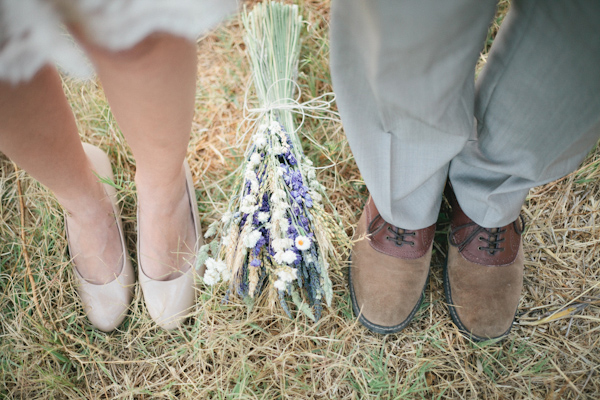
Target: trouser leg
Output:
[(537, 107), (403, 73)]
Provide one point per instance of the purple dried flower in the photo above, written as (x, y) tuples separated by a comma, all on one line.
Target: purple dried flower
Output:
[(303, 190), (291, 159), (296, 209), (304, 222), (255, 263), (296, 180), (287, 177), (308, 200), (292, 231), (265, 206), (260, 244)]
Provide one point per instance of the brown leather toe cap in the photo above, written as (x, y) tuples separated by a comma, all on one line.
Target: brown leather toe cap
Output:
[(482, 299)]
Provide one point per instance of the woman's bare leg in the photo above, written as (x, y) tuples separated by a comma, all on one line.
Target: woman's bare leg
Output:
[(151, 91), (38, 132)]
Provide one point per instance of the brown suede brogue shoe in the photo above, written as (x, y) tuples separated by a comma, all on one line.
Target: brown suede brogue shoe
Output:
[(389, 272), (483, 276)]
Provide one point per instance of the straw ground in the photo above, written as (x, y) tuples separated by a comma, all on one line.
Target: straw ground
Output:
[(49, 350)]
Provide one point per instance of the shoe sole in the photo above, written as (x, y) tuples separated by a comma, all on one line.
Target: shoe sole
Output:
[(454, 315), (383, 330)]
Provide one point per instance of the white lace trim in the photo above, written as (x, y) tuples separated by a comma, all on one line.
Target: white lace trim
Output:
[(32, 32)]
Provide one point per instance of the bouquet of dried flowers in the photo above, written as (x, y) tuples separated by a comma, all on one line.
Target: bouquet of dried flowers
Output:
[(277, 236)]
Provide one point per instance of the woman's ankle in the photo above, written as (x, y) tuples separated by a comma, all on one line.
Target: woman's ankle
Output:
[(88, 206), (160, 196)]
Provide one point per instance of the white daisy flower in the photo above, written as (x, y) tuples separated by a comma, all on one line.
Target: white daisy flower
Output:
[(302, 243)]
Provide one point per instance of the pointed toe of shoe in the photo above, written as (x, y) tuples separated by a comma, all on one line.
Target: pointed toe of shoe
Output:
[(169, 302), (106, 305)]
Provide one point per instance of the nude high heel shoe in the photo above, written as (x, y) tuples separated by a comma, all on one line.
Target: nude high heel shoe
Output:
[(105, 305), (168, 302)]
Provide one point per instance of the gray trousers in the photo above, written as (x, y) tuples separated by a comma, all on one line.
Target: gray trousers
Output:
[(403, 73)]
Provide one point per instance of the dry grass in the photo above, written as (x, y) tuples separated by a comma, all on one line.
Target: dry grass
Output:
[(49, 350)]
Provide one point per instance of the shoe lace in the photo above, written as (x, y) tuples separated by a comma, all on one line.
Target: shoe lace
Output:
[(493, 237), (399, 234)]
